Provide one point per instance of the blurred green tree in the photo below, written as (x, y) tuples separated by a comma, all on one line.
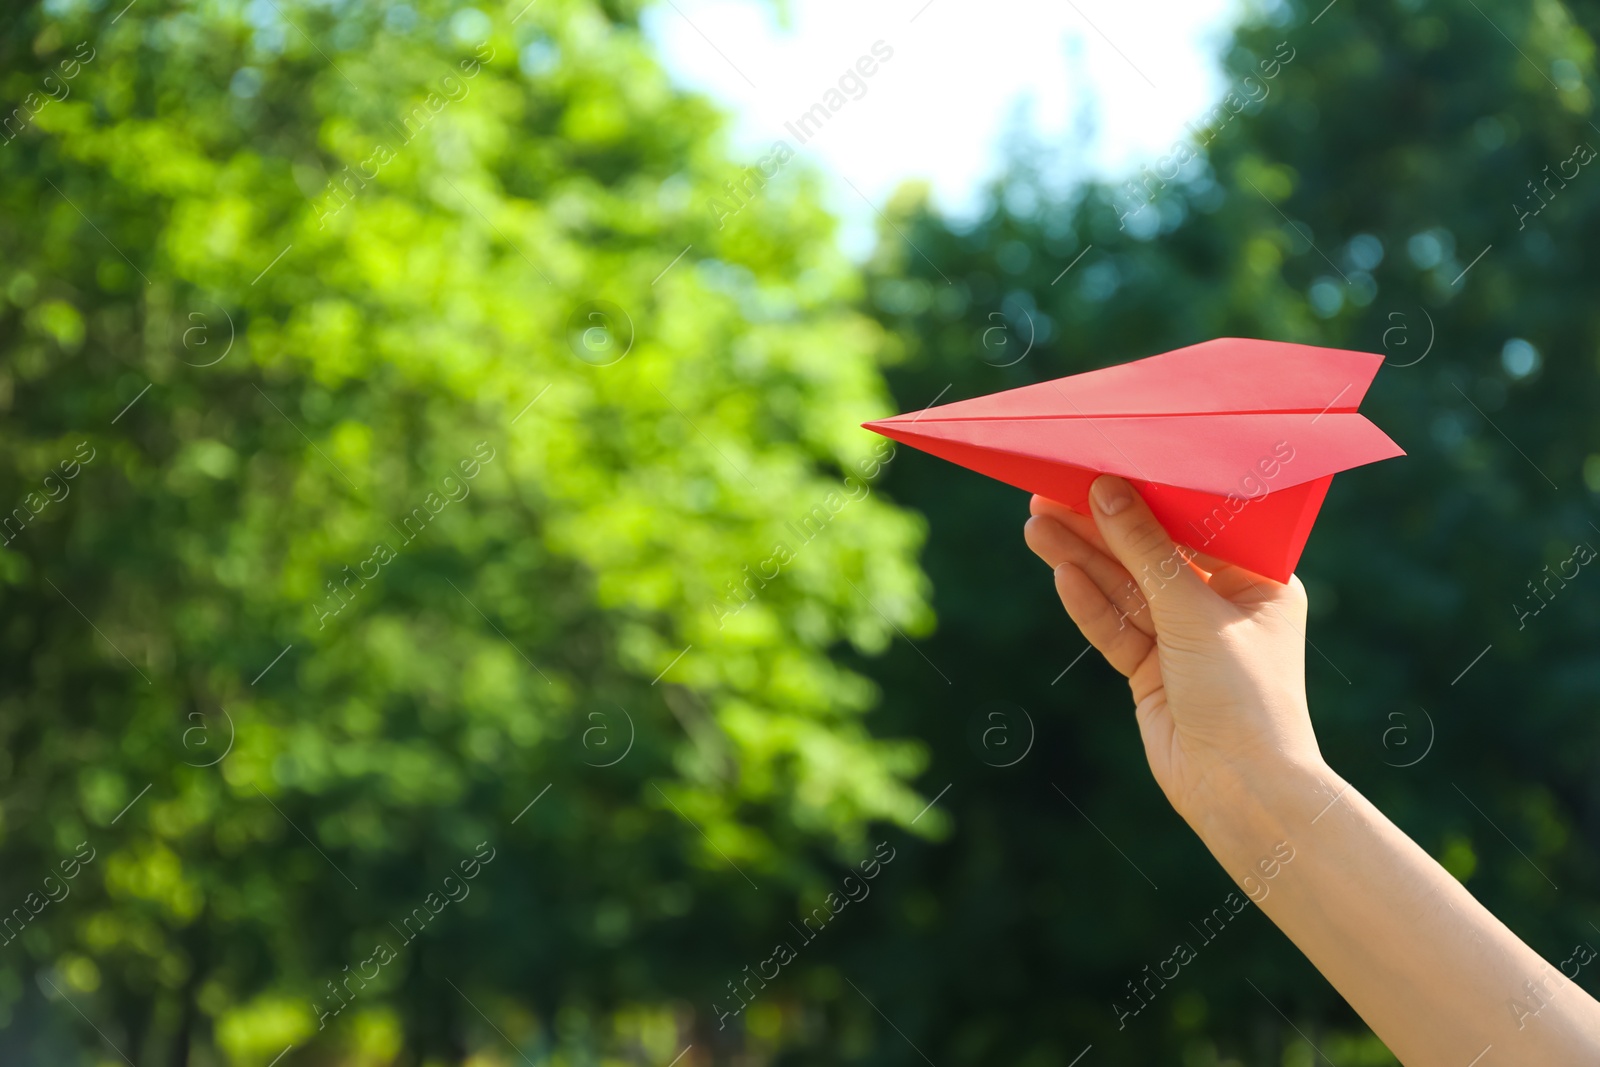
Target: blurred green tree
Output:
[(1367, 188), (425, 429)]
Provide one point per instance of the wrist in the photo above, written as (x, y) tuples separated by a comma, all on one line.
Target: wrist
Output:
[(1248, 801)]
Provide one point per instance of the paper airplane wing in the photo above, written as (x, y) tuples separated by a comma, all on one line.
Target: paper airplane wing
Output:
[(1233, 443)]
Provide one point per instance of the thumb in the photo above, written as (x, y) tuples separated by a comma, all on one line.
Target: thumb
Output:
[(1143, 547)]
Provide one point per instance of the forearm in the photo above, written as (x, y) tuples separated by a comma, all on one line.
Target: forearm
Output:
[(1437, 977)]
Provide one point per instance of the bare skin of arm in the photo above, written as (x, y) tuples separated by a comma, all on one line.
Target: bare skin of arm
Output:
[(1215, 657)]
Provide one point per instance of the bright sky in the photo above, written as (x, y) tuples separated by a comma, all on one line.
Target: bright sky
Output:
[(1109, 81)]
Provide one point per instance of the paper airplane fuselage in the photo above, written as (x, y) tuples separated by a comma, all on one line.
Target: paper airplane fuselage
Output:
[(1233, 443)]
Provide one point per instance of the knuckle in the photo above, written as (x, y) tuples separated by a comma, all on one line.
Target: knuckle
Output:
[(1114, 624), (1146, 537)]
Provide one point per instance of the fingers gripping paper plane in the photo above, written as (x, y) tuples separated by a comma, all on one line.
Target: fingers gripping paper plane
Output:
[(1232, 442)]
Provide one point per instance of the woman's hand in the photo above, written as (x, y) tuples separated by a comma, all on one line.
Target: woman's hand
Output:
[(1215, 657), (1214, 654)]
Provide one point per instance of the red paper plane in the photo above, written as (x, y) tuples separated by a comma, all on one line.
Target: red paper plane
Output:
[(1232, 442)]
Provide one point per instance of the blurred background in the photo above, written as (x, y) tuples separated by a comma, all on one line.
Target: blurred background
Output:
[(453, 616)]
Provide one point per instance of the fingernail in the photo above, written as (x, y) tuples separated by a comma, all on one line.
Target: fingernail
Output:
[(1111, 495)]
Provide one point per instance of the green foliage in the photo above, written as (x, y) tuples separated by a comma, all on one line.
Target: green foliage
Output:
[(383, 535), (1417, 125)]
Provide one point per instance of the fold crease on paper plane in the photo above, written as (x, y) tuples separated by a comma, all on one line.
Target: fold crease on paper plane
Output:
[(1232, 442)]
